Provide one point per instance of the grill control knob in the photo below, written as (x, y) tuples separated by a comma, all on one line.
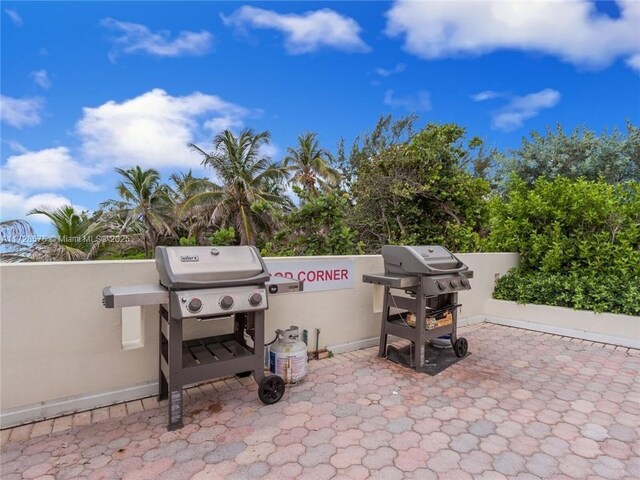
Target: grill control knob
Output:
[(453, 283), (226, 302), (195, 305), (255, 299), (441, 285), (464, 282)]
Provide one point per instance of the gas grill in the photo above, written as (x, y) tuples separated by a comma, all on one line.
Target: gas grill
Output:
[(421, 285), (208, 283)]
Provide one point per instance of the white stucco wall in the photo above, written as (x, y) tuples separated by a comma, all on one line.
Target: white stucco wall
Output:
[(615, 329), (61, 350)]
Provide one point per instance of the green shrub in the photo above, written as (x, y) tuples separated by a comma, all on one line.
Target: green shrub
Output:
[(604, 291), (188, 241), (223, 236), (579, 243), (317, 227)]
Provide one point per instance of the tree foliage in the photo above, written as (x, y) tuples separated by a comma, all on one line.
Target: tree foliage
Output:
[(144, 202), (14, 240), (247, 177), (310, 165), (579, 243), (613, 157), (75, 236), (318, 227), (421, 192)]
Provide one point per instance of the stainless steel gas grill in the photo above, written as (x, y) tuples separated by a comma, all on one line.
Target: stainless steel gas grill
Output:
[(208, 283), (421, 285)]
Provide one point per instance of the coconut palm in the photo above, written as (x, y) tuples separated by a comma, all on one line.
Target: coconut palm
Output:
[(15, 240), (195, 218), (311, 165), (144, 199), (248, 190), (75, 236)]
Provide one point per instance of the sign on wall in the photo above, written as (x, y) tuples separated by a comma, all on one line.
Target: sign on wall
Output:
[(318, 274)]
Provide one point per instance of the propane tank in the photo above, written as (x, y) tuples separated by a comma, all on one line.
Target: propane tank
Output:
[(289, 355)]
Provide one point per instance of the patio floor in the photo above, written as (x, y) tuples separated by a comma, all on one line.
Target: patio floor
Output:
[(523, 405)]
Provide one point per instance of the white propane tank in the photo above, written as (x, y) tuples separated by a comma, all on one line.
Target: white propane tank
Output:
[(288, 355)]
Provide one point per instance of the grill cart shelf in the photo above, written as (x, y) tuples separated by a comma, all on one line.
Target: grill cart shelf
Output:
[(423, 281), (192, 361)]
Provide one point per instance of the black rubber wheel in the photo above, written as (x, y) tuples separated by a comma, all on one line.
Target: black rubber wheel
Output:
[(460, 347), (244, 374), (271, 389)]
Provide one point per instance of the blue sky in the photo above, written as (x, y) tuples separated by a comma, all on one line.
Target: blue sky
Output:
[(87, 87)]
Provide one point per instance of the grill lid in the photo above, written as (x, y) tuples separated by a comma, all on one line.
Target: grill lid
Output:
[(421, 260), (210, 267)]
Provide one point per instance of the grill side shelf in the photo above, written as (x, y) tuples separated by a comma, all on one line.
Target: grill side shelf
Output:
[(392, 281)]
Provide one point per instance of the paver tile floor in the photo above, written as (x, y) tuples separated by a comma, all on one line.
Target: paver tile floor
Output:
[(523, 405)]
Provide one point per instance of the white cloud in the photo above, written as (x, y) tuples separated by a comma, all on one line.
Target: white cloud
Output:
[(570, 29), (634, 62), (486, 95), (137, 38), (154, 129), (48, 169), (41, 78), (419, 102), (304, 33), (17, 206), (21, 112), (15, 146), (14, 16), (383, 72), (519, 108), (270, 150)]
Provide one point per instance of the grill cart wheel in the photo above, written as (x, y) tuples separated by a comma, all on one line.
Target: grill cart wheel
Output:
[(271, 389), (460, 347)]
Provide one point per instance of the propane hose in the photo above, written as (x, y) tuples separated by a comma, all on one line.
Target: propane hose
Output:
[(272, 341)]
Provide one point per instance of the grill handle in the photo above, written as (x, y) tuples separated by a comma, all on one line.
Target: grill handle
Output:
[(459, 269)]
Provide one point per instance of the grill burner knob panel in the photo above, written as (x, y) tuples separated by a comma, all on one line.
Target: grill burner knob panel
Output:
[(255, 299), (195, 305), (226, 302)]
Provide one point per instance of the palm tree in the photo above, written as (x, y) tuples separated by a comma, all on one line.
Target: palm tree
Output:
[(15, 236), (248, 189), (146, 200), (75, 236), (195, 218), (311, 165)]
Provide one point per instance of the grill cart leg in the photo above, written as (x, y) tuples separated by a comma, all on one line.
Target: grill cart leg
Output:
[(171, 367), (163, 392), (419, 331), (175, 367), (258, 346), (382, 350), (270, 388)]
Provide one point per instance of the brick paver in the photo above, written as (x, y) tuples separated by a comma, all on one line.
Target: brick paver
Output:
[(523, 405)]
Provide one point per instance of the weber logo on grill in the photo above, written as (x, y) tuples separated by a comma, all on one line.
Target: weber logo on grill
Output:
[(189, 258)]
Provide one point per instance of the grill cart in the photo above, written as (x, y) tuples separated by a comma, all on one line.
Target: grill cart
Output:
[(208, 283), (421, 284)]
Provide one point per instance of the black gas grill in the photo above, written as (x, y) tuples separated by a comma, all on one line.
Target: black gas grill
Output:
[(421, 285), (208, 283)]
